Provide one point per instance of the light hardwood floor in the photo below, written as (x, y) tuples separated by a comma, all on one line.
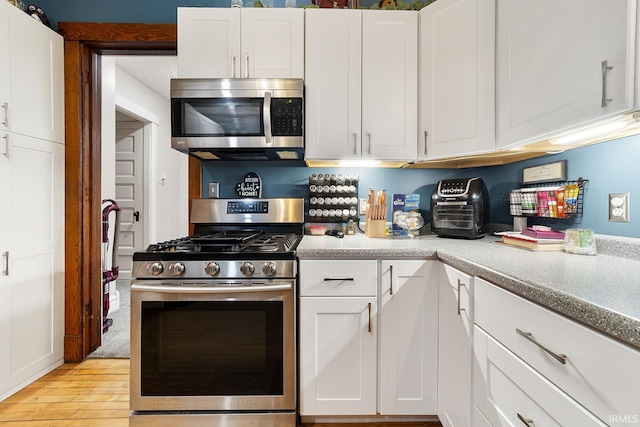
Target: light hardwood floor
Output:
[(94, 393)]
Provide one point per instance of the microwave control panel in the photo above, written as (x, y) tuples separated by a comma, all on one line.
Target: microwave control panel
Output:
[(286, 116)]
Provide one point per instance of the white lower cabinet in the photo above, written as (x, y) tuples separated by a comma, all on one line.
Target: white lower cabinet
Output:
[(337, 356), (32, 259), (367, 346), (455, 346), (515, 394), (408, 348), (338, 337), (525, 353)]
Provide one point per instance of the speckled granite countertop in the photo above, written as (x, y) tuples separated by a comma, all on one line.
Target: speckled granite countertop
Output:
[(601, 291)]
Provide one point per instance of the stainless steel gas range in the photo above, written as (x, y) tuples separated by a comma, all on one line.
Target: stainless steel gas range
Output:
[(213, 318)]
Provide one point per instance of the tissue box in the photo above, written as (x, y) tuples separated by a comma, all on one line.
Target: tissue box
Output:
[(404, 203)]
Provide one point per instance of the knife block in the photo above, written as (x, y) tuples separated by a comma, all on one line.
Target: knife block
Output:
[(376, 228)]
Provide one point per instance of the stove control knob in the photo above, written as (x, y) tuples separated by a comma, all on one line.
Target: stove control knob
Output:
[(212, 268), (155, 268), (176, 268), (247, 269), (269, 268)]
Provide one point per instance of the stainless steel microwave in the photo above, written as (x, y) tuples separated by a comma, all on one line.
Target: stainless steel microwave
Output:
[(238, 119)]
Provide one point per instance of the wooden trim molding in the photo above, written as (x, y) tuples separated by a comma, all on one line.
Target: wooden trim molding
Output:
[(84, 43)]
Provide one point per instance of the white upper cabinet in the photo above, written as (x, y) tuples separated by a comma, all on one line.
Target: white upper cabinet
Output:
[(333, 91), (31, 76), (561, 65), (389, 84), (5, 73), (457, 78), (235, 42), (361, 84)]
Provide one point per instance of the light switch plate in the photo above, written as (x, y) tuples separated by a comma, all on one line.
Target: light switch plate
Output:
[(214, 190), (619, 207), (362, 210)]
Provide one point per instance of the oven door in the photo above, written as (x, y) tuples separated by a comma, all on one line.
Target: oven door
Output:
[(224, 347)]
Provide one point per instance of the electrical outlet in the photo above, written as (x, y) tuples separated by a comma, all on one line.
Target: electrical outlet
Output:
[(619, 207), (362, 210)]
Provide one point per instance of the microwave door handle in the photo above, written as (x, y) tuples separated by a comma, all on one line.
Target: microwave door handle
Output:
[(266, 113)]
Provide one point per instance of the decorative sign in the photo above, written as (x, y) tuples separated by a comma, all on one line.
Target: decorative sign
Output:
[(545, 173), (251, 186)]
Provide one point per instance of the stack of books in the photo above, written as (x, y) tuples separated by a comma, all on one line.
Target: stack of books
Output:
[(536, 238)]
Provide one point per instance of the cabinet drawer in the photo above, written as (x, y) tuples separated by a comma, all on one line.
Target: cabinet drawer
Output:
[(599, 372), (338, 278), (517, 394)]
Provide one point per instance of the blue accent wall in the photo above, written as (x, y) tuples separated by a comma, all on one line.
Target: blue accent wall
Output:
[(611, 167), (138, 11)]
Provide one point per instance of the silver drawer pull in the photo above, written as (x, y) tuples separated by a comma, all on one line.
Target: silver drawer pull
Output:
[(460, 309), (525, 421), (562, 358), (338, 279)]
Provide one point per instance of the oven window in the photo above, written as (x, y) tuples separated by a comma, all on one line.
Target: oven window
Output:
[(217, 117), (212, 348)]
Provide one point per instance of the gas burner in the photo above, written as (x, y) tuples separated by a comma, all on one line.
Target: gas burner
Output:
[(227, 232)]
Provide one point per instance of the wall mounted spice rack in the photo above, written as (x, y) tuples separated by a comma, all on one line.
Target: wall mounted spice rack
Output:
[(562, 199), (333, 198)]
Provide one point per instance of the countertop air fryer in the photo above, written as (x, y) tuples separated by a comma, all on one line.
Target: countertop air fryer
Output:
[(460, 208)]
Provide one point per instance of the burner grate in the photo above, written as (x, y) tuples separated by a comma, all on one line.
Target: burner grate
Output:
[(230, 241)]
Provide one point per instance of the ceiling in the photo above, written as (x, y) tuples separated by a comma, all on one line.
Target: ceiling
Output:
[(154, 72)]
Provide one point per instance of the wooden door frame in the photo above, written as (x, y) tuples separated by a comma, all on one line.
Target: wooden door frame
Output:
[(83, 46)]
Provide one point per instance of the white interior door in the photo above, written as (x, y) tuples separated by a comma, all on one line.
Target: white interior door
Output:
[(129, 191)]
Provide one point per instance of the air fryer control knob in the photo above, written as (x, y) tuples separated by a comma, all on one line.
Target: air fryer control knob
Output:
[(269, 268), (155, 268), (247, 269), (176, 268), (212, 268)]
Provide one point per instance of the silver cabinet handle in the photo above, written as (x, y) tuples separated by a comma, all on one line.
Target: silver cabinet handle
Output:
[(605, 72), (369, 139), (233, 66), (562, 358), (266, 110), (369, 326), (5, 107), (6, 265), (525, 421), (460, 309), (426, 134), (6, 146), (355, 142), (246, 65), (391, 280)]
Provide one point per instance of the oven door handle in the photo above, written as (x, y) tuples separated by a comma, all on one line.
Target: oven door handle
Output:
[(211, 290)]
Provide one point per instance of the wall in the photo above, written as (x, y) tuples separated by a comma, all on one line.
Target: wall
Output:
[(146, 11), (610, 167)]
